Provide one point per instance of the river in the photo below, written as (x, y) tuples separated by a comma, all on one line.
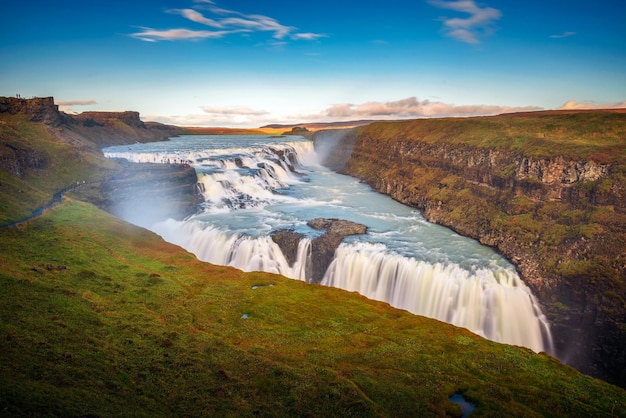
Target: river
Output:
[(255, 184)]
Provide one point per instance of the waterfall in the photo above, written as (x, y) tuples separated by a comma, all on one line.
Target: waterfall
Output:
[(246, 253), (495, 304), (262, 185)]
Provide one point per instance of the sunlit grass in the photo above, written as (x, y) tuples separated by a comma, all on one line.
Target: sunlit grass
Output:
[(597, 136), (100, 317)]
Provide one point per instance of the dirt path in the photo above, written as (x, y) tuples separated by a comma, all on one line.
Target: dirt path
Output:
[(56, 200)]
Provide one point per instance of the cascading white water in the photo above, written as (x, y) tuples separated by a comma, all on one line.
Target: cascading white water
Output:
[(492, 303), (264, 184), (243, 252)]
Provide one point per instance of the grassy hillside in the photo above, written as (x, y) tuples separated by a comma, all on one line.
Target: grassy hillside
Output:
[(101, 318), (35, 164)]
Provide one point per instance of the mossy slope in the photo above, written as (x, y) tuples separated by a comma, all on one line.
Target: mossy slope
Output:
[(35, 164), (103, 318)]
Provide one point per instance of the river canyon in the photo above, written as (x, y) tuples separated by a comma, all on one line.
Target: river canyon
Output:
[(253, 187)]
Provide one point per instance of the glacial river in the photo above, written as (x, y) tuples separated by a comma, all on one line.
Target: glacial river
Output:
[(253, 185)]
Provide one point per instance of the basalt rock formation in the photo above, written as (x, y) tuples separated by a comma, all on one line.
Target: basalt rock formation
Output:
[(548, 191), (147, 193), (118, 128), (322, 248)]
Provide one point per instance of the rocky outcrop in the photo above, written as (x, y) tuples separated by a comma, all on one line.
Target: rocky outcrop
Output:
[(334, 147), (140, 193), (38, 109), (147, 193), (322, 247), (560, 218), (130, 118), (102, 128), (16, 158), (117, 128)]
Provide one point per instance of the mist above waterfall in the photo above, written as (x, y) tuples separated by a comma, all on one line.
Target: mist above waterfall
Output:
[(254, 185)]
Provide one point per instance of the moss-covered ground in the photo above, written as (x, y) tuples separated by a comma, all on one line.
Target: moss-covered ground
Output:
[(100, 317), (599, 136)]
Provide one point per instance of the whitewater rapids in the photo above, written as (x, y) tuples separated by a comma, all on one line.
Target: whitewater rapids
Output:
[(253, 185)]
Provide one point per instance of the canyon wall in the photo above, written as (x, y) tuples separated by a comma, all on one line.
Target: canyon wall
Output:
[(43, 146), (102, 128), (553, 204)]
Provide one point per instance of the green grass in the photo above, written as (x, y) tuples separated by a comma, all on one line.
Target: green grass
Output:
[(63, 164), (100, 317), (597, 136)]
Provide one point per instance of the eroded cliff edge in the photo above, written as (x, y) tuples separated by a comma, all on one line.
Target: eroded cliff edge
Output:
[(547, 190), (44, 150)]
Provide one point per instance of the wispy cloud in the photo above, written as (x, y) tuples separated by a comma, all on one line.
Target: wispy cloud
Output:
[(574, 105), (75, 102), (67, 105), (308, 36), (411, 107), (468, 29), (563, 35), (197, 17), (234, 111), (227, 116), (206, 13), (153, 35)]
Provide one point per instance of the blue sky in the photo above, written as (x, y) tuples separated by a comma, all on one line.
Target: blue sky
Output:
[(253, 62)]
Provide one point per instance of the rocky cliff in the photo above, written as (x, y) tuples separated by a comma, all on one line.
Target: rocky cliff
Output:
[(43, 151), (547, 191), (148, 193), (102, 128), (38, 109)]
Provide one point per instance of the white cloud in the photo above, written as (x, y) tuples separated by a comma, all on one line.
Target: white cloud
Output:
[(563, 35), (197, 17), (468, 29), (234, 111), (307, 36), (413, 108), (228, 20), (75, 102), (153, 35), (409, 108), (259, 23), (574, 105), (233, 116), (67, 105)]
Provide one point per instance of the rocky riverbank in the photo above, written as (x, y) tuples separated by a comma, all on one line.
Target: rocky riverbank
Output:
[(547, 191)]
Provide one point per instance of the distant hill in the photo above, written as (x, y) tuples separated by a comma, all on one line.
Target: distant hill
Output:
[(320, 125)]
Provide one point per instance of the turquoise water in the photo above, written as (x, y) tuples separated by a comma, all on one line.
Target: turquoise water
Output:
[(253, 185)]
